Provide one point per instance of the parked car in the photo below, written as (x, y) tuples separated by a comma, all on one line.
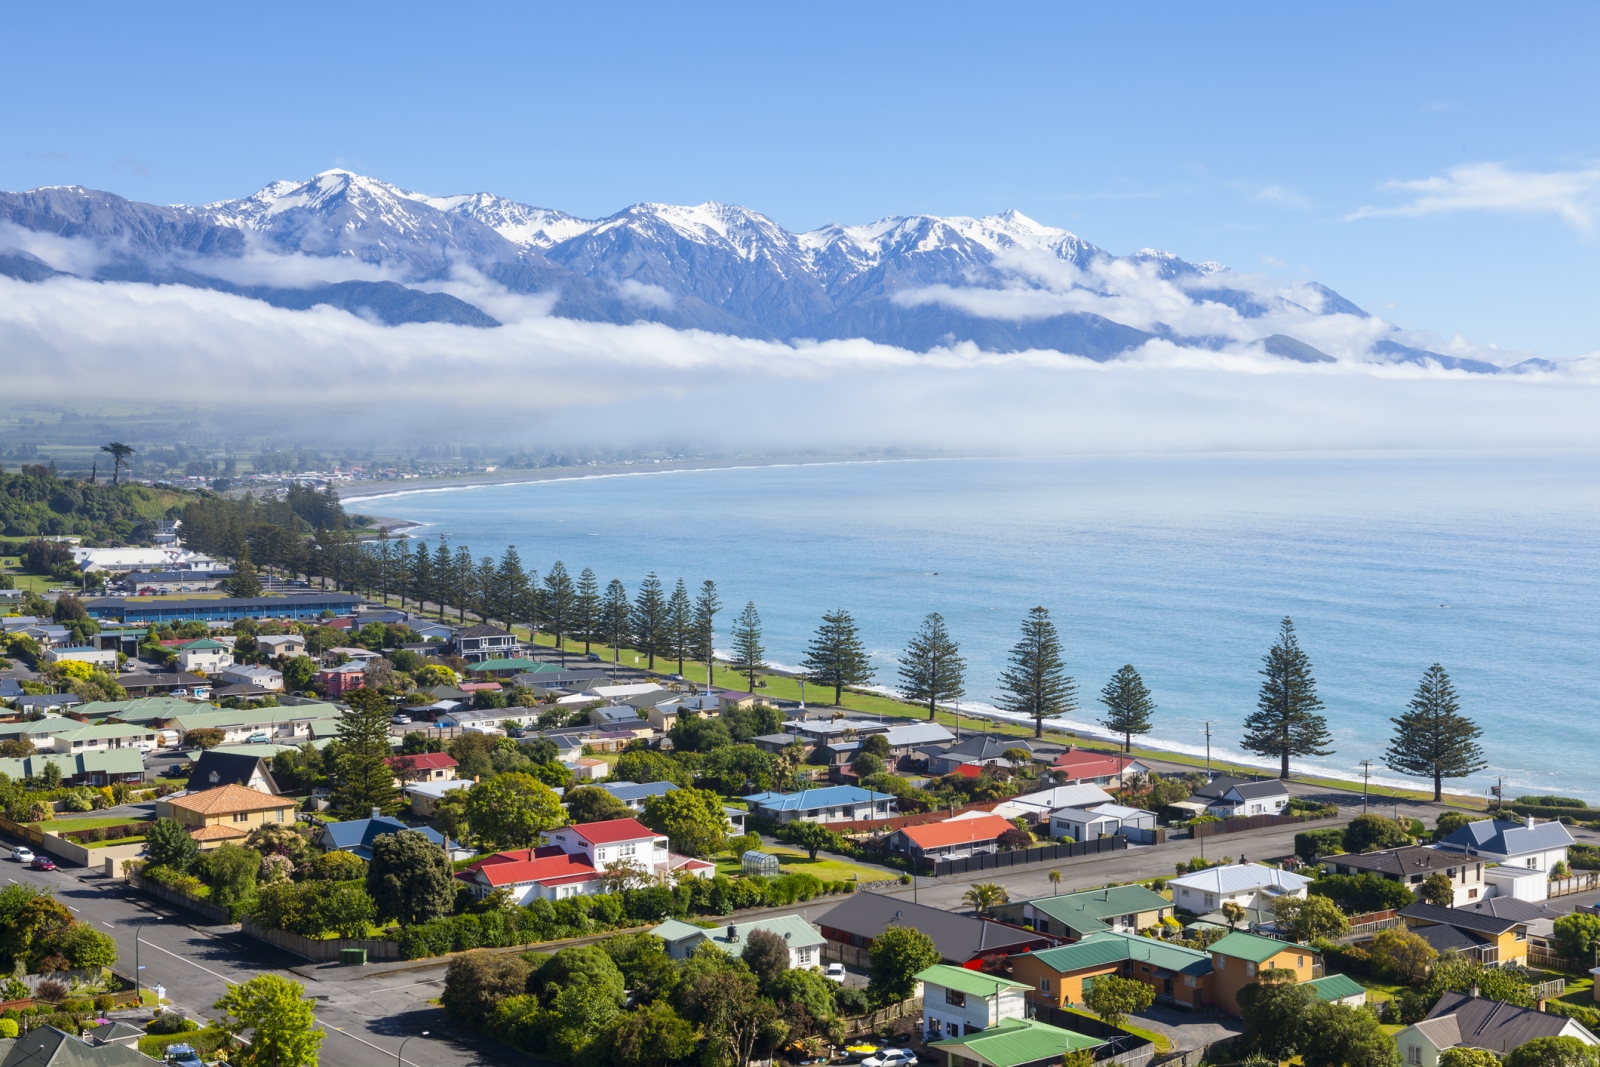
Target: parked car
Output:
[(401, 720), (22, 855), (43, 863), (892, 1057), (184, 1056), (256, 739), (834, 972), (594, 657), (175, 770)]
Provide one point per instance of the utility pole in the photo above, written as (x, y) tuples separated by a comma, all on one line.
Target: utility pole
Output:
[(1208, 748), (1366, 772)]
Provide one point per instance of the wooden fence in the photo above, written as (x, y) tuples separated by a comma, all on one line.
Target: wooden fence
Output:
[(321, 951), (1554, 989), (1551, 962), (1578, 883), (1020, 857), (1216, 1052), (16, 829), (863, 826), (849, 955), (863, 1024), (1254, 822)]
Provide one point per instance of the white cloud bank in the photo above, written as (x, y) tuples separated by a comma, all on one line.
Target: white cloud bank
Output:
[(1569, 194), (562, 382)]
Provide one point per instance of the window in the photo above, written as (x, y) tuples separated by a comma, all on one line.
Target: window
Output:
[(1250, 969), (1044, 985), (1299, 961), (1188, 980), (1221, 962), (805, 955), (1413, 1053), (955, 998)]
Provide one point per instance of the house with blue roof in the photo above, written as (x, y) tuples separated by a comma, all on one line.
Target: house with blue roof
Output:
[(837, 803), (634, 794), (357, 835)]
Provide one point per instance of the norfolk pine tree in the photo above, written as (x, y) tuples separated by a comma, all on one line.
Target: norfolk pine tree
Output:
[(650, 617), (836, 656), (511, 587), (1037, 683), (1286, 722), (586, 609), (1433, 739), (931, 668), (1128, 705), (559, 601), (615, 612), (463, 581), (703, 647), (748, 653), (365, 780), (680, 624)]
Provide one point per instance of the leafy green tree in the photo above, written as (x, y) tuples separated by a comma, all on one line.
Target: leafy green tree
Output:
[(811, 836), (168, 844), (748, 652), (1128, 705), (897, 956), (647, 971), (512, 810), (692, 819), (1451, 821), (836, 656), (1552, 1052), (410, 878), (280, 1018), (931, 668), (767, 956), (1360, 894), (1438, 889), (866, 764), (1114, 998), (1037, 684), (650, 618), (298, 672), (119, 453), (1400, 955), (1433, 739), (645, 767), (475, 982), (652, 1036), (807, 1001), (1347, 1037), (245, 582), (1578, 935), (230, 870), (699, 735), (1368, 832), (86, 948), (365, 780), (985, 897), (1309, 917), (345, 908), (736, 1018), (1465, 1056), (702, 644), (590, 803), (1286, 721), (1274, 1009), (560, 602)]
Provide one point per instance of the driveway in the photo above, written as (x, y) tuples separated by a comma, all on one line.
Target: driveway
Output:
[(1187, 1029)]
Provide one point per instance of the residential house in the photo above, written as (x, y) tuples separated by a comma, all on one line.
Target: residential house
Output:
[(613, 715), (226, 813), (1036, 807), (1123, 908), (1534, 845), (422, 767), (166, 583), (259, 677), (151, 711), (508, 668), (214, 769), (1491, 936), (609, 694), (1460, 1020), (838, 803), (957, 1001), (48, 635), (587, 768), (634, 794), (1238, 958), (281, 645), (950, 839), (48, 1046), (204, 656), (281, 724), (775, 743), (433, 631), (805, 941), (1104, 820), (1339, 989), (1250, 885), (814, 732), (1539, 918), (856, 922), (1412, 866), (174, 684), (904, 745), (1250, 798), (357, 835), (546, 682), (1014, 1043), (353, 653), (611, 841), (488, 719), (1060, 977), (735, 700), (575, 862), (45, 703), (345, 678), (79, 737), (425, 796), (547, 873), (96, 768), (99, 658), (1077, 766), (979, 751), (485, 641)]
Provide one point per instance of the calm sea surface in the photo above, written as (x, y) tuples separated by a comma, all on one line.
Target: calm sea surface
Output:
[(1181, 566)]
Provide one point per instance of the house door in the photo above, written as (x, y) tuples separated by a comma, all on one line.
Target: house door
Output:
[(1197, 998), (1167, 982)]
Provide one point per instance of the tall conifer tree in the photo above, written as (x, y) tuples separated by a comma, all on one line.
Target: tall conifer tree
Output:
[(586, 609), (444, 576), (650, 618), (931, 668), (1037, 683), (463, 581), (1287, 720), (510, 587), (836, 656), (365, 780), (748, 653), (1433, 739), (1128, 705), (680, 624), (616, 613), (703, 646), (559, 597)]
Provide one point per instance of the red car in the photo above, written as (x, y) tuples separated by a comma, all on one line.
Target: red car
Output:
[(43, 863)]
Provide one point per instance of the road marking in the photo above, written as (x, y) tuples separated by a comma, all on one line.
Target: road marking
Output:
[(192, 963), (353, 1037)]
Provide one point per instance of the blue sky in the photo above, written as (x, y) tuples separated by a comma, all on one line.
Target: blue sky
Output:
[(1435, 163)]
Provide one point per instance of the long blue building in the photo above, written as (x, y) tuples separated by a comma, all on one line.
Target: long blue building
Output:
[(298, 606)]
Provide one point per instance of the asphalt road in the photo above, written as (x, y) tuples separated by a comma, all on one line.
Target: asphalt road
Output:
[(366, 1016)]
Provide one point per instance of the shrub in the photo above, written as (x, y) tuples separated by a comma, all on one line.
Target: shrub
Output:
[(1369, 832), (1553, 802), (170, 1022), (1311, 844)]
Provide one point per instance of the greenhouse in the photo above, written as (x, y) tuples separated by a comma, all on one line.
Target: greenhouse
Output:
[(754, 862)]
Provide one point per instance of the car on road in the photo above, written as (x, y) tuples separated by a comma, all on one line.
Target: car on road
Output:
[(256, 739), (175, 770), (401, 720), (892, 1057), (594, 657), (43, 863), (834, 972), (22, 855)]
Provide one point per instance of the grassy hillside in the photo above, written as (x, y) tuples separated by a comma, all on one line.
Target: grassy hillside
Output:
[(35, 502)]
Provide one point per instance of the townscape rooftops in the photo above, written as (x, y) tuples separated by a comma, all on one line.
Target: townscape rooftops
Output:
[(811, 799), (1240, 878), (47, 1046), (358, 834), (1218, 786), (230, 768), (1255, 948), (1012, 1042), (1335, 987), (957, 937), (1107, 946), (1493, 1024), (612, 830), (957, 831), (1259, 790), (426, 761), (104, 761), (967, 981), (626, 791), (1401, 862), (1464, 918), (1085, 911), (792, 928), (228, 798), (1499, 838)]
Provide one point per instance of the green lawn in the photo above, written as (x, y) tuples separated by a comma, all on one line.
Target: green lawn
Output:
[(795, 861), (64, 823), (118, 841)]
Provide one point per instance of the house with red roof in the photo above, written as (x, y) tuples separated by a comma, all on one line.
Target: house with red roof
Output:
[(422, 767), (951, 839), (1078, 766), (529, 874), (575, 860)]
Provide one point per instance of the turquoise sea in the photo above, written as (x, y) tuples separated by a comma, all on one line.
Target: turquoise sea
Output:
[(1180, 565)]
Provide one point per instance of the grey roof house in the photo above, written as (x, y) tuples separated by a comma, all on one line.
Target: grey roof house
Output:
[(1537, 846), (1459, 1020)]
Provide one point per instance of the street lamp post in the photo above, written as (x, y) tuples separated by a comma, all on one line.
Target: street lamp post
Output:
[(399, 1061)]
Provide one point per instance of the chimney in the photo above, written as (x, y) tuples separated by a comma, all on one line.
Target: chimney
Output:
[(733, 934), (1539, 1004), (1474, 990), (376, 813), (1530, 822)]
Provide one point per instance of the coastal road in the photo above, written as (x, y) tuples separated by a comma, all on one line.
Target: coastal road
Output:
[(366, 1016)]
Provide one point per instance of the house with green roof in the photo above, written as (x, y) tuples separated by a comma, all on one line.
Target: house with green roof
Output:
[(1014, 1043), (1061, 976), (505, 668), (1339, 989), (1239, 958), (87, 768), (285, 725), (804, 940), (957, 1001), (1123, 908), (85, 738), (152, 711), (204, 656)]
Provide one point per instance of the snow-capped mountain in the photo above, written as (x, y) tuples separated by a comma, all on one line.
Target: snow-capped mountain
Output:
[(711, 266)]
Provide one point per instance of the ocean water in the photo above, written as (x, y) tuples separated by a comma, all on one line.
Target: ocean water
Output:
[(1180, 565)]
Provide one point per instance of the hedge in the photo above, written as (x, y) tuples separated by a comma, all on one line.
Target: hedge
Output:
[(1548, 811), (205, 1041), (1311, 844)]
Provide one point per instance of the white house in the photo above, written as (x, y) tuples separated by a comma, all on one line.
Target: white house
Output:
[(804, 940), (532, 874), (1104, 820), (204, 656), (956, 1001), (102, 658), (281, 644), (1532, 845), (1251, 798), (123, 560), (425, 795), (1038, 806), (82, 737), (1250, 885), (1459, 1020), (611, 841), (834, 803), (260, 677)]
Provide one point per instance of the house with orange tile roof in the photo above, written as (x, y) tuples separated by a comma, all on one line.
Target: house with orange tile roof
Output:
[(951, 839), (226, 813), (1078, 766)]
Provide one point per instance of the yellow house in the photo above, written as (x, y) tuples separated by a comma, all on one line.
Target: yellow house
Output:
[(1493, 931), (1239, 958), (227, 813)]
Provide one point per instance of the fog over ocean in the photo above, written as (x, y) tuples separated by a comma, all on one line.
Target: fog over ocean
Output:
[(1180, 565)]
